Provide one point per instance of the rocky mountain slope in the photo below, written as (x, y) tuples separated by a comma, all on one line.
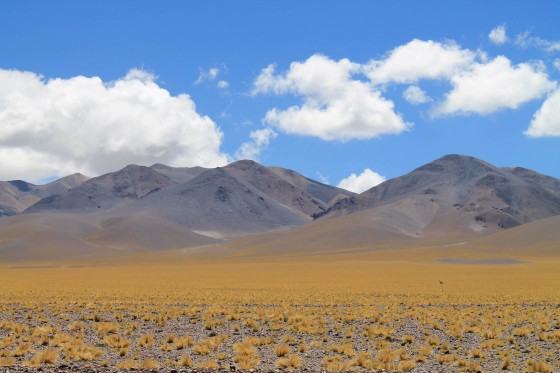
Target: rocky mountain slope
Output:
[(241, 198), (106, 191), (157, 207), (464, 188), (454, 199), (18, 195)]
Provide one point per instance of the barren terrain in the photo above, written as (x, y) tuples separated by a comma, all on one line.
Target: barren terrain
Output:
[(373, 311)]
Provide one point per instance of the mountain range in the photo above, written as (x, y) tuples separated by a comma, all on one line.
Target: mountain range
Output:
[(462, 187), (246, 207), (17, 195)]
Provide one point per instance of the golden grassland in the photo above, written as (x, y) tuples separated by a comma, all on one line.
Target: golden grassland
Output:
[(394, 311)]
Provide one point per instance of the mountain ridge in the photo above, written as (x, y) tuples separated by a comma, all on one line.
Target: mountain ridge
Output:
[(105, 191), (247, 206), (18, 195), (499, 195)]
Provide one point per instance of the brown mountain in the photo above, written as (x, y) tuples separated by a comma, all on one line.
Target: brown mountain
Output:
[(106, 191), (315, 189), (445, 204), (239, 199), (11, 195), (268, 210), (59, 186), (18, 195), (465, 191), (287, 187), (178, 174), (160, 207)]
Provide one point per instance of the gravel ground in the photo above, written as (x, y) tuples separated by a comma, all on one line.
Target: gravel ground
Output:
[(320, 329)]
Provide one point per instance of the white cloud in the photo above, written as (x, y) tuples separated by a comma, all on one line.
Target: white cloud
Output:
[(207, 75), (498, 35), (415, 95), (268, 82), (82, 124), (213, 73), (342, 100), (222, 84), (259, 140), (420, 59), (496, 85), (526, 40), (546, 121), (360, 183), (335, 106)]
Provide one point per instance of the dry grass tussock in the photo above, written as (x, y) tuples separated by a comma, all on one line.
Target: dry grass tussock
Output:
[(347, 314)]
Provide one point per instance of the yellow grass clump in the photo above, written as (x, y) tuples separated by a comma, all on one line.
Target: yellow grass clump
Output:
[(307, 312)]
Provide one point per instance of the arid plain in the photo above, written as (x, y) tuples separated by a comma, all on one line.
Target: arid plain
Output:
[(415, 276)]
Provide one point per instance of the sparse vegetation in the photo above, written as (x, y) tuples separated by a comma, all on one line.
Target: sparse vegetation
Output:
[(347, 325)]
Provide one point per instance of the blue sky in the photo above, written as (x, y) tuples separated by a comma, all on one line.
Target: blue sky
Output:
[(314, 86)]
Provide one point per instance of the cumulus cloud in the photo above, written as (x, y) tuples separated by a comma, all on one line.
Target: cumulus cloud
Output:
[(420, 59), (415, 95), (222, 84), (343, 100), (211, 75), (335, 106), (207, 75), (488, 87), (498, 35), (525, 39), (269, 82), (259, 141), (546, 121), (362, 182), (58, 126)]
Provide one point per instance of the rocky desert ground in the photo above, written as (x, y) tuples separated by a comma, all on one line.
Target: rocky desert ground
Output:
[(305, 314)]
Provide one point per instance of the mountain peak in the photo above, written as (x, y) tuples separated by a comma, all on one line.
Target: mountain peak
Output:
[(457, 163), (106, 191), (134, 168), (465, 188), (244, 164), (72, 180), (22, 186)]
